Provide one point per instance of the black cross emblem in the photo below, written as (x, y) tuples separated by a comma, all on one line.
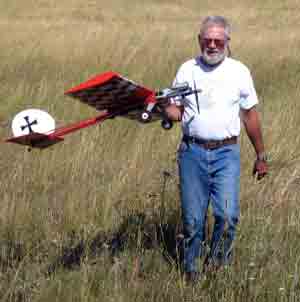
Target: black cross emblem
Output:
[(26, 118)]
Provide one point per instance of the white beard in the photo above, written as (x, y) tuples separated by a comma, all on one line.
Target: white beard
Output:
[(213, 59)]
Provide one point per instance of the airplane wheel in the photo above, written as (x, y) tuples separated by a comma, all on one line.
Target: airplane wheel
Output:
[(146, 117), (167, 124)]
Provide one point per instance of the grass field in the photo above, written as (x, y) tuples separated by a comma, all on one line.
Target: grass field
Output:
[(96, 217)]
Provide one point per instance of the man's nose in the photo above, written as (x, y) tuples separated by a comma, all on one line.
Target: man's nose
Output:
[(211, 43)]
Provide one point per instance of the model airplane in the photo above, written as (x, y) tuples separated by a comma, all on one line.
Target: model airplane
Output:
[(110, 93)]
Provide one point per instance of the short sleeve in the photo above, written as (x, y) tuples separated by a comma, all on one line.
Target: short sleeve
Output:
[(248, 96), (179, 79)]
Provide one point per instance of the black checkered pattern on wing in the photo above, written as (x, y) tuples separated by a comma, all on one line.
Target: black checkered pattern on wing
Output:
[(116, 93)]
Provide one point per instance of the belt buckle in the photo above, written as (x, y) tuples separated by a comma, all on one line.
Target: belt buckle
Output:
[(206, 145), (213, 145)]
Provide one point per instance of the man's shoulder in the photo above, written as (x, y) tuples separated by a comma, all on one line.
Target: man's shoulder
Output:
[(190, 63), (236, 65)]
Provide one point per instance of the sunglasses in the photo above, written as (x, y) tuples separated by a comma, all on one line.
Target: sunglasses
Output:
[(219, 43)]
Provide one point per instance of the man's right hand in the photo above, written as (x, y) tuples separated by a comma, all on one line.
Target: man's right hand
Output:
[(174, 112)]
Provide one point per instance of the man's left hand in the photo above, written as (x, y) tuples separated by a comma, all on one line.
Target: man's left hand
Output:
[(260, 169)]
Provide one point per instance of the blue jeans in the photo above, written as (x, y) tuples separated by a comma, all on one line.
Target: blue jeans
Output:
[(209, 176)]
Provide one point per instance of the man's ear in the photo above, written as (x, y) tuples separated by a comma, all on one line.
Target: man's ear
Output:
[(199, 40), (228, 47)]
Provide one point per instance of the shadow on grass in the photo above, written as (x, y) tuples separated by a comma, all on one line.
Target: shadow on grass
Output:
[(12, 253), (137, 232)]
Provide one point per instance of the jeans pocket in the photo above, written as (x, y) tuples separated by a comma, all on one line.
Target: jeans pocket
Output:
[(182, 148)]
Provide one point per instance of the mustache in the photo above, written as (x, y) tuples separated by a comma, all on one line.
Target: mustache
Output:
[(213, 51)]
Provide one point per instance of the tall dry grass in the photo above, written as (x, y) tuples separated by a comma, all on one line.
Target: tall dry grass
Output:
[(68, 202)]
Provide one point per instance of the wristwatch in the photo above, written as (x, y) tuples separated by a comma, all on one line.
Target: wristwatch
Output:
[(262, 157)]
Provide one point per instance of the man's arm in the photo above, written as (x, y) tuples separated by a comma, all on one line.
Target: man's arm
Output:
[(251, 121)]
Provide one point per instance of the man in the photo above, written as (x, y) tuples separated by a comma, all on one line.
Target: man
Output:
[(209, 154)]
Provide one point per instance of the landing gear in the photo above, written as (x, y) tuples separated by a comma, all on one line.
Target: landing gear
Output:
[(167, 124)]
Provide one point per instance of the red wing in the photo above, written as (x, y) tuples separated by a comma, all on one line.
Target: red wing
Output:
[(36, 140), (110, 91)]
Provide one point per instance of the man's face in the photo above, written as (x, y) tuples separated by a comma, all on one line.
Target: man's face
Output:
[(213, 44)]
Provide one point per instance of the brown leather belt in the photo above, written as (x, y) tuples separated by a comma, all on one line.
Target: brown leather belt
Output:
[(210, 144)]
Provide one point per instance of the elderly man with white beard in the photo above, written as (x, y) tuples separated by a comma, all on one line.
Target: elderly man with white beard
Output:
[(209, 153)]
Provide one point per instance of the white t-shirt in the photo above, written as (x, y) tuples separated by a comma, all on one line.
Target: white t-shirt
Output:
[(224, 90)]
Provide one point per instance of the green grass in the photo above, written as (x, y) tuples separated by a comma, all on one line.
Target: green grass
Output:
[(62, 207)]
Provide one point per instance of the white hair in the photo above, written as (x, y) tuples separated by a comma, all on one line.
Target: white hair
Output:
[(215, 21)]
